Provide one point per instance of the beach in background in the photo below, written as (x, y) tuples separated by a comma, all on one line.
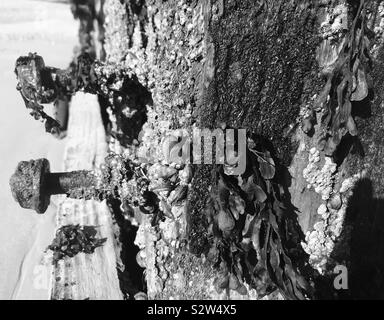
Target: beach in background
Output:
[(48, 28)]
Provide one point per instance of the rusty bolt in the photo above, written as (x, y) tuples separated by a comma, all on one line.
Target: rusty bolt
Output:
[(32, 184), (35, 79)]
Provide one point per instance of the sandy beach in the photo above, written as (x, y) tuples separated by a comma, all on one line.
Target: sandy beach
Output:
[(48, 29)]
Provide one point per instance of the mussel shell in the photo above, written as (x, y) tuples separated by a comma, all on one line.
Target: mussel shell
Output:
[(225, 221)]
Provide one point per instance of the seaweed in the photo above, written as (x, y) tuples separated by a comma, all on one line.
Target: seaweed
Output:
[(347, 81), (72, 239), (122, 92), (249, 230)]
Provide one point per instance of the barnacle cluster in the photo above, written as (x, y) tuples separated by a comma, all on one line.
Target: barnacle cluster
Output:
[(158, 235), (171, 109), (320, 242), (146, 239), (159, 242), (116, 30), (335, 24), (379, 29), (180, 29), (125, 97), (320, 178)]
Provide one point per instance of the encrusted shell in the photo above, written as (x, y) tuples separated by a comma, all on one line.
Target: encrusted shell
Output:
[(225, 220)]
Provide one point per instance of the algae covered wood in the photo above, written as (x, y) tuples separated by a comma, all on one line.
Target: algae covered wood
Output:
[(200, 74), (266, 67)]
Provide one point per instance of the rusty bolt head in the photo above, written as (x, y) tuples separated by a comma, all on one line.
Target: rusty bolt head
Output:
[(32, 77), (27, 184)]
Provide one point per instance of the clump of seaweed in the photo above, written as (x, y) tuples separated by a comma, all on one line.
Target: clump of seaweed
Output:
[(73, 239), (348, 81), (250, 231), (31, 83)]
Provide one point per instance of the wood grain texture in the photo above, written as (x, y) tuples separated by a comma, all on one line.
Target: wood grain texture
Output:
[(87, 276)]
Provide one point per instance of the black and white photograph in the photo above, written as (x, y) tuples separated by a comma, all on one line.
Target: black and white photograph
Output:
[(202, 156)]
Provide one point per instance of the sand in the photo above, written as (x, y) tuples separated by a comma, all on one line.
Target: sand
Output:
[(49, 29)]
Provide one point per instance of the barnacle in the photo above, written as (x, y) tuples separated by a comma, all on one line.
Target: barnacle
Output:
[(320, 242), (321, 179)]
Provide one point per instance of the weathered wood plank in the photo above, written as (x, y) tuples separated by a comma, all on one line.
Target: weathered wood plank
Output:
[(87, 276)]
